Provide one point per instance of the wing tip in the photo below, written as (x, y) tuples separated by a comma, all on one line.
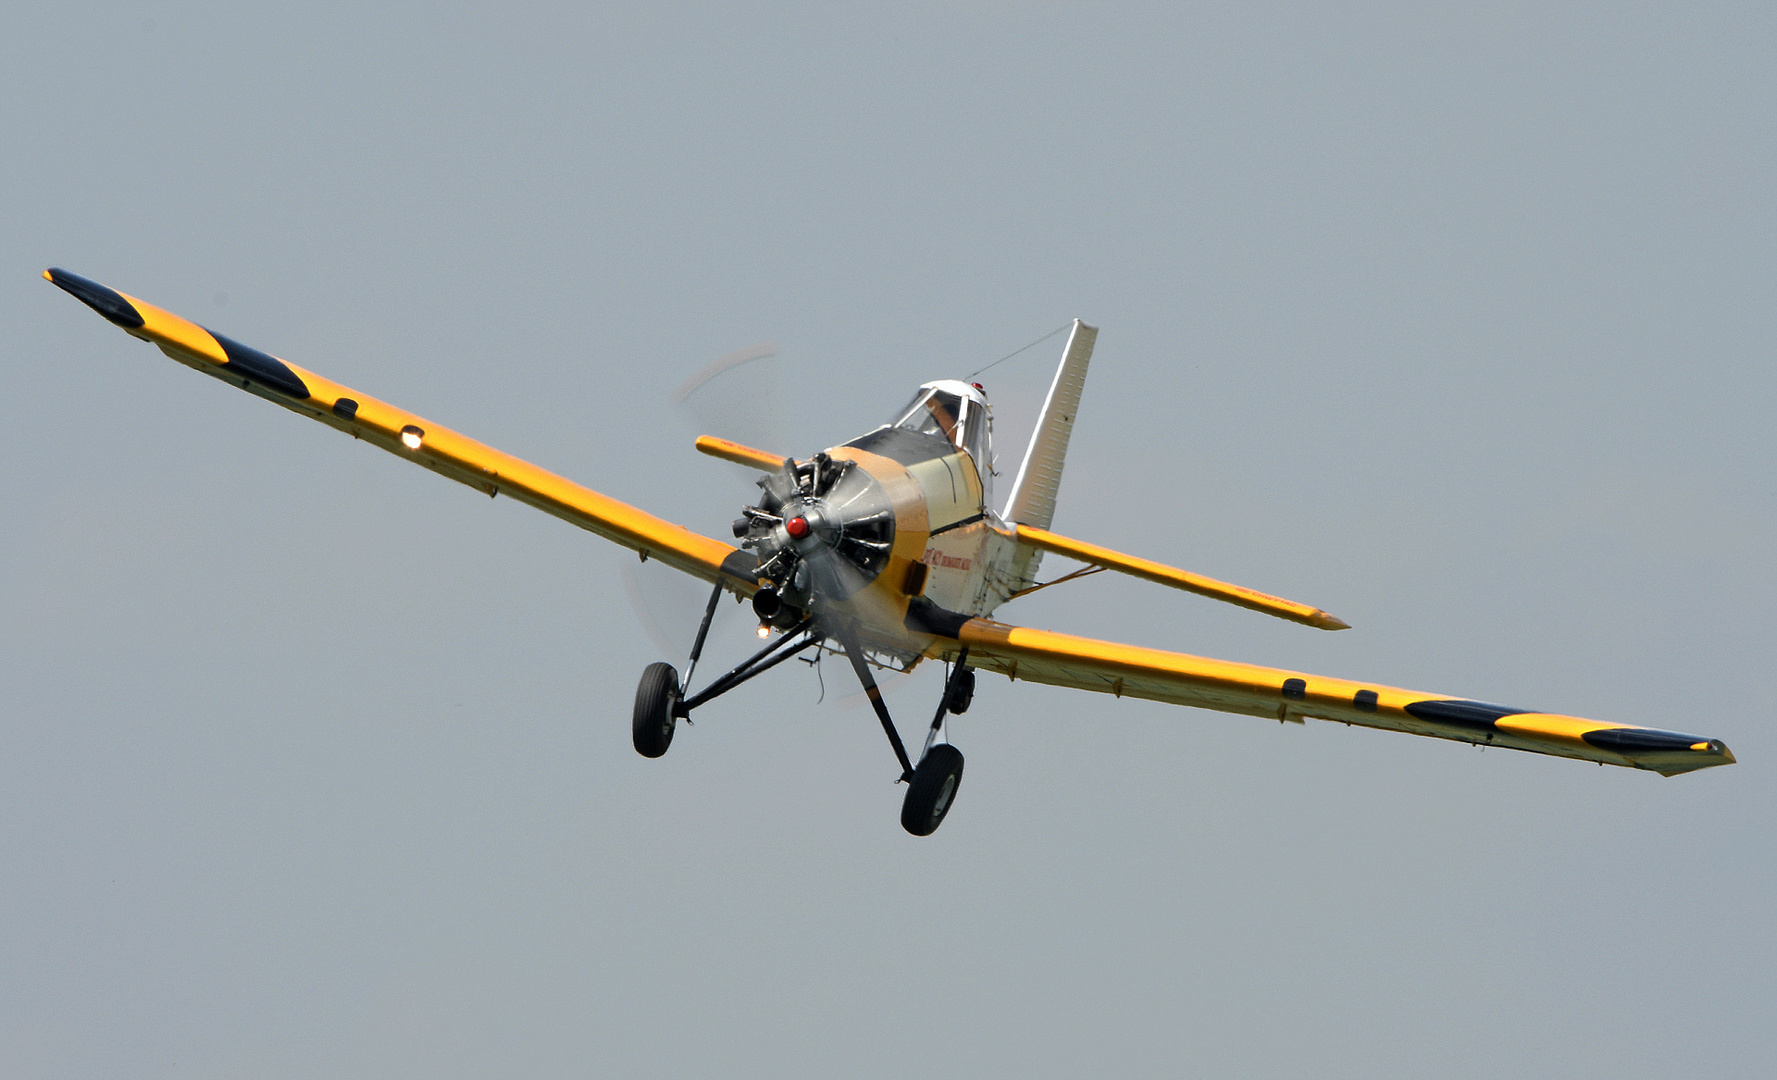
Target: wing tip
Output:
[(1671, 765), (107, 302)]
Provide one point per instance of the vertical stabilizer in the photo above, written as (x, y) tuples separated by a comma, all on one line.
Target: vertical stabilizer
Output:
[(1033, 494)]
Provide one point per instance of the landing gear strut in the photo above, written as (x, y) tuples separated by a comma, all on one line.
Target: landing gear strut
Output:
[(932, 784), (659, 694), (940, 768), (661, 702)]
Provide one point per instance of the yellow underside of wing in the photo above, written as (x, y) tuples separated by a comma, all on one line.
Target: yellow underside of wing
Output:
[(1134, 671)]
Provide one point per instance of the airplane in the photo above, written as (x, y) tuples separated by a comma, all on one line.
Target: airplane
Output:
[(887, 549)]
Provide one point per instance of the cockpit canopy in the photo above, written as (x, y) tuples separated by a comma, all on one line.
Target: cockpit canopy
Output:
[(954, 411)]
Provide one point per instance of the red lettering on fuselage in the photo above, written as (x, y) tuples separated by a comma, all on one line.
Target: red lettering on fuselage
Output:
[(940, 561)]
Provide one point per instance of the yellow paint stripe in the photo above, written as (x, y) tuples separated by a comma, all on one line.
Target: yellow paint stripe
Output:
[(169, 331), (1550, 727), (1149, 570)]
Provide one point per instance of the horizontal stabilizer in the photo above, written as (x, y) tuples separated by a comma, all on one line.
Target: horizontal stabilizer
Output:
[(1044, 540)]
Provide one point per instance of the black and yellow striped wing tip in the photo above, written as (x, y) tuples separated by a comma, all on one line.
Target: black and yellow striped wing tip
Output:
[(106, 301)]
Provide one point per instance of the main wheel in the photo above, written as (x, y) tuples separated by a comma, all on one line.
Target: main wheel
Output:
[(932, 791), (656, 696)]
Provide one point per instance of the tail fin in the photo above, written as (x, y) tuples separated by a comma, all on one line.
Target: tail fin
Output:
[(1033, 494)]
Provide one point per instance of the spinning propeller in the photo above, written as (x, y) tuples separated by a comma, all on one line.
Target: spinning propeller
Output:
[(741, 395), (822, 531)]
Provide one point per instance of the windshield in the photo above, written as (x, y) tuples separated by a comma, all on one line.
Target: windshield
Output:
[(935, 412)]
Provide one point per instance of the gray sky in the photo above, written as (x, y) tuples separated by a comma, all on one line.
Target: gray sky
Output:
[(1457, 324)]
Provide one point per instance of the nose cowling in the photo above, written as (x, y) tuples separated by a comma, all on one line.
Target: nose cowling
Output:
[(822, 531)]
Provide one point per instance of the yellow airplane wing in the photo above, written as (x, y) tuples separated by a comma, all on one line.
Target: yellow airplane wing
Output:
[(1147, 569), (401, 433), (1131, 671)]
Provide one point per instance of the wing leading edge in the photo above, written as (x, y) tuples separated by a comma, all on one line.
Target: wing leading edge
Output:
[(1132, 671), (401, 433)]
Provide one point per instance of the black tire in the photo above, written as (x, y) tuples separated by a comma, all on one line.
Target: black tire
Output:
[(962, 692), (657, 695), (933, 790)]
